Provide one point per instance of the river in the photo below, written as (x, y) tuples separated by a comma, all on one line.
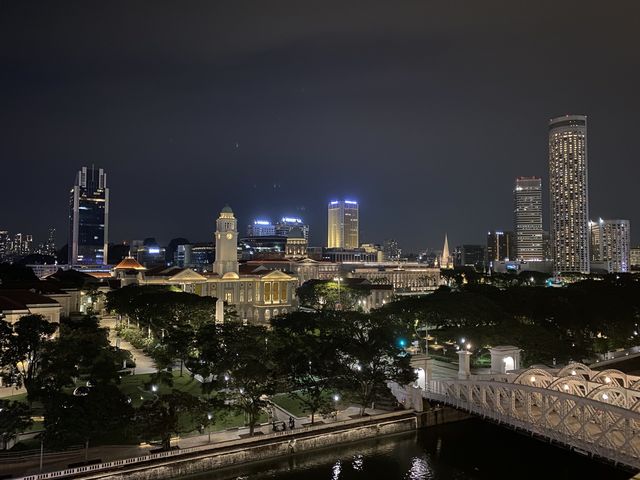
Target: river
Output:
[(467, 450)]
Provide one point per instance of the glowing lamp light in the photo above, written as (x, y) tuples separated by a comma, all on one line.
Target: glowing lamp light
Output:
[(605, 396), (533, 379), (573, 372), (565, 387), (607, 380)]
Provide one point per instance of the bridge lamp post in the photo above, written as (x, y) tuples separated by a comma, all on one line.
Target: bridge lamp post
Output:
[(209, 417)]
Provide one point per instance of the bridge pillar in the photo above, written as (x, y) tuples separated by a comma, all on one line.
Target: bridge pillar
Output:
[(464, 364), (504, 358)]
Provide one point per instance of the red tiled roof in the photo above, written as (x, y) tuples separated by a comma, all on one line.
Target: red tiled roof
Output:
[(129, 263)]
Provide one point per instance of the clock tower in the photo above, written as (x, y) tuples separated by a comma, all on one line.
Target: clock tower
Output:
[(226, 243)]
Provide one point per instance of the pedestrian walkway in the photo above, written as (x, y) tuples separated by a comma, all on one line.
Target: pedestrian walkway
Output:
[(29, 464), (144, 364)]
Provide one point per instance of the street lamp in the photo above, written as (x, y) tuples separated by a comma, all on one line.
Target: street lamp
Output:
[(209, 417), (336, 398)]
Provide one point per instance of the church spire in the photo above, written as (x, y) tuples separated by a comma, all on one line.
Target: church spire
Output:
[(445, 261)]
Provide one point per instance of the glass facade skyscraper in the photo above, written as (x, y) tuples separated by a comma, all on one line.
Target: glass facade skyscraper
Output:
[(569, 194), (89, 218)]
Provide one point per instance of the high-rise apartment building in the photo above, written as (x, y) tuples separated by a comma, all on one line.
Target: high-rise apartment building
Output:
[(569, 194), (635, 258), (527, 199), (343, 229), (500, 246), (610, 243), (89, 218)]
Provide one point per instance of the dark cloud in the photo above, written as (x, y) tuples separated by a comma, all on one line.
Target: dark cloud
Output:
[(424, 111)]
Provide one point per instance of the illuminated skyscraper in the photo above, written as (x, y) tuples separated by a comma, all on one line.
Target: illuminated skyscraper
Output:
[(610, 244), (261, 228), (569, 193), (286, 224), (527, 211), (89, 218), (499, 246), (343, 225)]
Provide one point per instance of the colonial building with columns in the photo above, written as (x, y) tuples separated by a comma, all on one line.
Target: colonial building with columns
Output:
[(257, 292)]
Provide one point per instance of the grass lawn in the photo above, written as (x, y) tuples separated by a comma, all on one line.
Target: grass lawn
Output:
[(134, 386), (293, 405)]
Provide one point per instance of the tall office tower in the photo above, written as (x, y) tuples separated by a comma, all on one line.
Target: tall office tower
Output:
[(5, 244), (500, 246), (50, 247), (89, 218), (286, 224), (527, 199), (392, 251), (343, 225), (261, 228), (569, 193), (610, 243), (22, 244), (226, 243)]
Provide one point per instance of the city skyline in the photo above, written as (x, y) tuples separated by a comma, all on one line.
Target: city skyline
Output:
[(372, 111)]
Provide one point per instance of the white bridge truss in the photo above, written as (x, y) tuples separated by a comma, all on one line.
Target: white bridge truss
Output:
[(594, 411)]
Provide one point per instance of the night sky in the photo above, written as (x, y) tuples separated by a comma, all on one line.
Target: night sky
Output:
[(423, 111)]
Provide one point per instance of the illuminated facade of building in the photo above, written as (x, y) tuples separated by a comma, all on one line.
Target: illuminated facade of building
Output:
[(634, 258), (258, 293), (343, 227), (527, 198), (89, 218), (610, 244), (500, 246), (569, 195), (286, 224), (261, 228)]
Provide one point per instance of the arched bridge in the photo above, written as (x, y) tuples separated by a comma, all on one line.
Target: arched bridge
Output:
[(597, 412)]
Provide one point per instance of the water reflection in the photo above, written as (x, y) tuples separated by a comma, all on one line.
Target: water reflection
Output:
[(419, 469), (471, 450), (337, 468)]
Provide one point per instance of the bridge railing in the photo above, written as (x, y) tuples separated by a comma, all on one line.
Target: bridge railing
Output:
[(598, 427)]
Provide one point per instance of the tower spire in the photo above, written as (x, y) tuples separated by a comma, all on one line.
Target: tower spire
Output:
[(445, 261)]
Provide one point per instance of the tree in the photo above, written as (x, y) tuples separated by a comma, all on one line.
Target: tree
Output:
[(370, 352), (15, 417), (102, 413), (81, 350), (322, 295), (207, 360), (167, 414), (249, 364), (305, 356), (26, 344)]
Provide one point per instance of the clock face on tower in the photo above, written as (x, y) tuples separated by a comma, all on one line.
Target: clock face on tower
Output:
[(229, 236)]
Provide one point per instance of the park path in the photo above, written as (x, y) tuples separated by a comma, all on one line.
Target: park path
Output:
[(144, 364)]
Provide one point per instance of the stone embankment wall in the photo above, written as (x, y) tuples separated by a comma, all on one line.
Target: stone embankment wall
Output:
[(261, 449)]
